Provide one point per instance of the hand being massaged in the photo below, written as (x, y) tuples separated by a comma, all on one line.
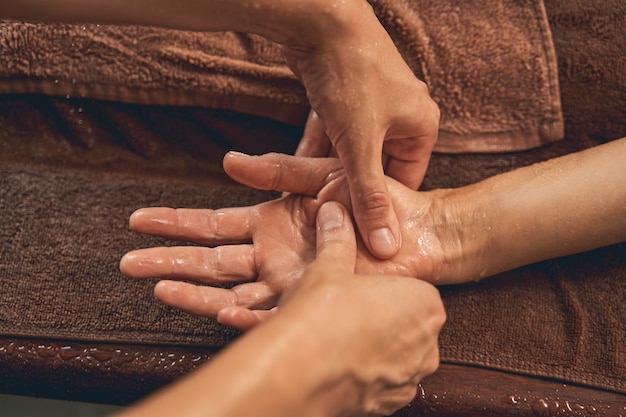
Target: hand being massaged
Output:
[(450, 235)]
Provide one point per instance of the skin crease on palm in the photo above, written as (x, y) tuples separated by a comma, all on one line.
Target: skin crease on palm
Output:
[(266, 247)]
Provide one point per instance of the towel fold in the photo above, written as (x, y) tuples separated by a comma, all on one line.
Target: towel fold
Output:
[(490, 66)]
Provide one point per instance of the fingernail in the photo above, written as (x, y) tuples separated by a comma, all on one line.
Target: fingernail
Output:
[(224, 314), (330, 216), (237, 153), (134, 217), (382, 242)]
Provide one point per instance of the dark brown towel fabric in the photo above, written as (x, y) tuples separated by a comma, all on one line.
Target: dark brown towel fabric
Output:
[(150, 66), (69, 180), (490, 65), (590, 41), (552, 320)]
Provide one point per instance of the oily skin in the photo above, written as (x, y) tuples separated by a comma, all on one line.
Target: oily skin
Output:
[(555, 208), (266, 248), (368, 108), (382, 332)]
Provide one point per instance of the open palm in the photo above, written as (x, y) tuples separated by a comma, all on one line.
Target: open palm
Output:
[(261, 250)]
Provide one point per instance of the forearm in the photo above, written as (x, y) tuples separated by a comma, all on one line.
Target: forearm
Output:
[(282, 21), (271, 371), (555, 208)]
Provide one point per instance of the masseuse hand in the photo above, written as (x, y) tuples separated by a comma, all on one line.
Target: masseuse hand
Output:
[(367, 107), (382, 330), (377, 115), (339, 344)]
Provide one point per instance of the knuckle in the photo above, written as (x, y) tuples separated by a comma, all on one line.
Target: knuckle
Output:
[(439, 315), (277, 177), (213, 262), (433, 110), (429, 120), (212, 221), (373, 206), (176, 263), (437, 312)]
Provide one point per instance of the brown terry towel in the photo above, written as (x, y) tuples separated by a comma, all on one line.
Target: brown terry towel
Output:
[(149, 66), (490, 65), (69, 179)]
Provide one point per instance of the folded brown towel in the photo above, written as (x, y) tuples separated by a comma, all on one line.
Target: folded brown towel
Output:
[(149, 66), (490, 65)]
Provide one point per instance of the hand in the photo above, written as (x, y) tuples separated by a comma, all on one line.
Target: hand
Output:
[(367, 105), (282, 237), (282, 233), (378, 116), (376, 334), (383, 329)]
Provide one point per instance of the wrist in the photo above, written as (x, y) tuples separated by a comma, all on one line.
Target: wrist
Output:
[(465, 220)]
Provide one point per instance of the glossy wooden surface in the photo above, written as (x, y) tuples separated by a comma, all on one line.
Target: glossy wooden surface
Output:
[(121, 374), (466, 391)]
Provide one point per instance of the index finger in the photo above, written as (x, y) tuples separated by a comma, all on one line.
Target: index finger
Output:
[(284, 173)]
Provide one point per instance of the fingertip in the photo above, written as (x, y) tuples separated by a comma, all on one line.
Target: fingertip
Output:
[(233, 155), (225, 316), (161, 288), (240, 318), (127, 260), (232, 158), (148, 217), (135, 218)]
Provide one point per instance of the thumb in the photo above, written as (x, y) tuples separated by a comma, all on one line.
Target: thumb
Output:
[(371, 203), (336, 242)]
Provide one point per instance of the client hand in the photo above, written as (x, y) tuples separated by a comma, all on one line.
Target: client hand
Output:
[(282, 236), (451, 236)]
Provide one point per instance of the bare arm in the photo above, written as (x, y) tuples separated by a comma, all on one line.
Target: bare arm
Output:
[(555, 208), (272, 19), (370, 104), (274, 370)]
